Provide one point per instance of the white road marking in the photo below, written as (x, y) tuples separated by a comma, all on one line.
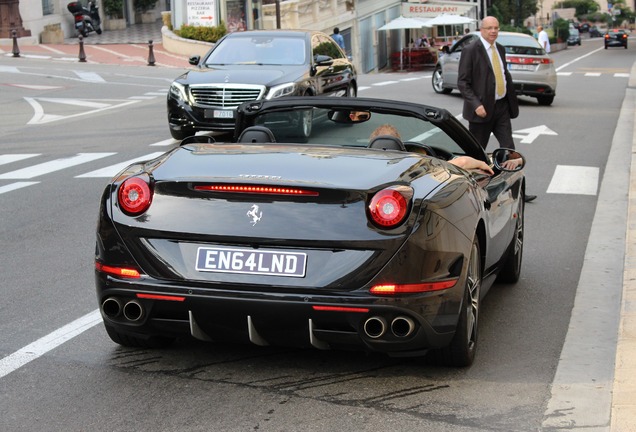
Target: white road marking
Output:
[(621, 75), (47, 343), (578, 180), (9, 158), (592, 74), (113, 170), (383, 83), (15, 186), (40, 117), (89, 76), (164, 143), (55, 165), (9, 69), (363, 88), (564, 73)]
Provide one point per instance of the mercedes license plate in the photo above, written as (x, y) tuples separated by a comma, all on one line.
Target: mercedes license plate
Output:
[(251, 261)]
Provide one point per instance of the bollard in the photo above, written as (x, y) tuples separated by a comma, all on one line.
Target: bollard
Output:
[(16, 50), (82, 54), (151, 54)]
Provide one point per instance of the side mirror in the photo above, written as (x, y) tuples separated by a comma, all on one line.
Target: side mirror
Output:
[(323, 60), (194, 60), (507, 160)]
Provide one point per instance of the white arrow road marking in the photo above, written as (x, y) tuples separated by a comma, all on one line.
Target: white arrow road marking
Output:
[(9, 158), (533, 133), (52, 166), (15, 186), (49, 342), (112, 170), (102, 105), (578, 180)]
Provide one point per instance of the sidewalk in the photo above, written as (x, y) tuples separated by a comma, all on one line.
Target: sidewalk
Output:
[(130, 47)]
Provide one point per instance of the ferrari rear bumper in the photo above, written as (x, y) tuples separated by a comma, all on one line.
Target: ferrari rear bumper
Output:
[(397, 327)]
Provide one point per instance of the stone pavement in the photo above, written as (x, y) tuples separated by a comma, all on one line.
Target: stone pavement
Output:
[(131, 47)]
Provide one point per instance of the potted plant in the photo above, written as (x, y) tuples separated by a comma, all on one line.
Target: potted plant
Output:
[(143, 9), (114, 14)]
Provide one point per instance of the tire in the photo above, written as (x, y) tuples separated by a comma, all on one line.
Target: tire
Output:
[(305, 124), (545, 100), (181, 134), (98, 30), (128, 340), (438, 81), (461, 351), (511, 269), (351, 91)]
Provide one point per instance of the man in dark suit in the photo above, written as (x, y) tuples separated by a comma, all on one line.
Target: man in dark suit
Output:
[(486, 85)]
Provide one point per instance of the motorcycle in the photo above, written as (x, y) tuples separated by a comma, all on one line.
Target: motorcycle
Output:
[(86, 18)]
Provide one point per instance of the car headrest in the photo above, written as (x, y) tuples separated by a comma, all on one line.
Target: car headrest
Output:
[(256, 134), (387, 142)]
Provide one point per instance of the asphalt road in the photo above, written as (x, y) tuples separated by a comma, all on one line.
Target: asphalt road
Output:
[(67, 127)]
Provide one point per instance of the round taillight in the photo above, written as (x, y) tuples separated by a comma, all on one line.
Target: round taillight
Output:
[(134, 196), (388, 207)]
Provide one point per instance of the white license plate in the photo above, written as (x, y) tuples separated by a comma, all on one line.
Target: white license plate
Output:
[(226, 114), (521, 67), (251, 261)]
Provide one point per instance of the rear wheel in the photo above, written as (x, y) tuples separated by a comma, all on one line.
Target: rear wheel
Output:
[(438, 81), (511, 269), (461, 351), (127, 340), (545, 100)]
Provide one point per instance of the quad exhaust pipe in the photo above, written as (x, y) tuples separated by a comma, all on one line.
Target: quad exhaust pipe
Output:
[(401, 327), (114, 307)]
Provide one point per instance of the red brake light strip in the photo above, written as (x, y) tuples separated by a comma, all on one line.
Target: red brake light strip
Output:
[(265, 190)]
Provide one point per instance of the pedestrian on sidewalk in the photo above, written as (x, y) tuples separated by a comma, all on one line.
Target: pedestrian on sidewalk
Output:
[(543, 38)]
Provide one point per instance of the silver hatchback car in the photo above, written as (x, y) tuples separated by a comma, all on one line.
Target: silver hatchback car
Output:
[(532, 70)]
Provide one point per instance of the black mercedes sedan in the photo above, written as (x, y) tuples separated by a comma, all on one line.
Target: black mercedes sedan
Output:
[(332, 223), (256, 65)]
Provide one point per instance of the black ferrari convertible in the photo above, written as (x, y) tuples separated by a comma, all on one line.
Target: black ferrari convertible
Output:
[(310, 229)]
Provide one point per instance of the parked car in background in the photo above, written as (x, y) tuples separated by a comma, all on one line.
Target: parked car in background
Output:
[(574, 38), (254, 65), (532, 70), (595, 32), (584, 27), (616, 38)]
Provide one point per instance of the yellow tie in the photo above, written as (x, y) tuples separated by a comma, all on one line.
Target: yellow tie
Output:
[(496, 66)]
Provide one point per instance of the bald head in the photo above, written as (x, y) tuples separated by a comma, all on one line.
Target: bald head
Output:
[(489, 29)]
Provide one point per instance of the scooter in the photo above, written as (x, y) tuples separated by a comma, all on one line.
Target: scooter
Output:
[(86, 18)]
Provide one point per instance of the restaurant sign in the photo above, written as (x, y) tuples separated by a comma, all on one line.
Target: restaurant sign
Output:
[(432, 9)]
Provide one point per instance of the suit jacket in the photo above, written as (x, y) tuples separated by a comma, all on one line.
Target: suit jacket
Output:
[(476, 82)]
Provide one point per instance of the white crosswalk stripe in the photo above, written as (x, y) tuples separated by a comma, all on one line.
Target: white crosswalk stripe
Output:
[(112, 170), (5, 159), (15, 186), (52, 166)]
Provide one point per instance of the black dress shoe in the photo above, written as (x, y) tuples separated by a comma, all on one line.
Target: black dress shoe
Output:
[(528, 198)]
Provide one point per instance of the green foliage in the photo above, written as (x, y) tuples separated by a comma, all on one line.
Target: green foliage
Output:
[(144, 5), (202, 33), (507, 11), (113, 8), (561, 29), (582, 7)]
